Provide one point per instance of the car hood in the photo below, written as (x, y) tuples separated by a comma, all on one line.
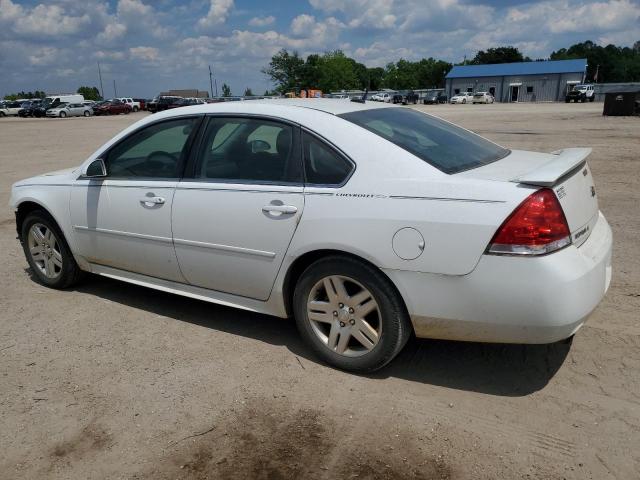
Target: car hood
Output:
[(59, 176)]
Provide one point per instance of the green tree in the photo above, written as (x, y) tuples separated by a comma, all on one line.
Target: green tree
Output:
[(285, 70), (498, 55), (336, 72), (248, 92), (612, 63), (226, 90), (90, 93)]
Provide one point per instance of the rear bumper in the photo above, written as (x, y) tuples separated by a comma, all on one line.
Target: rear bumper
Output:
[(512, 299)]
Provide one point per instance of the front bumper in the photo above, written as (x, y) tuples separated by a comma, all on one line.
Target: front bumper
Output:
[(512, 299)]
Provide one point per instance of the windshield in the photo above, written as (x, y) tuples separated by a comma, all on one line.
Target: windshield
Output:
[(447, 147)]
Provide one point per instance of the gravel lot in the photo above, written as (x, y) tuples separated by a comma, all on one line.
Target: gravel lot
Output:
[(111, 380)]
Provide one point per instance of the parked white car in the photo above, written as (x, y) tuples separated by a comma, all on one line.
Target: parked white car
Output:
[(135, 106), (482, 97), (463, 97), (70, 110), (365, 222), (11, 108), (382, 97)]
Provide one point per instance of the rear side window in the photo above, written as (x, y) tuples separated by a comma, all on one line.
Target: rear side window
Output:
[(322, 164), (249, 150), (447, 147)]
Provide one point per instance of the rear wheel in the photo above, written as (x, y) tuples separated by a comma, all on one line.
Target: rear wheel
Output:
[(592, 98), (350, 314), (135, 109), (47, 252)]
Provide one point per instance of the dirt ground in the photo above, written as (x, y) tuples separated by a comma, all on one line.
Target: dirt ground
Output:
[(110, 380)]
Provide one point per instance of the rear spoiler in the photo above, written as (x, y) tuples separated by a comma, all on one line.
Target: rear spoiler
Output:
[(548, 174)]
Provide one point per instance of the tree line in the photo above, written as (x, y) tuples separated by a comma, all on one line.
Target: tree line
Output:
[(334, 71)]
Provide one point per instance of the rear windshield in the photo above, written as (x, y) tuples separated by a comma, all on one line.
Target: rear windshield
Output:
[(447, 147)]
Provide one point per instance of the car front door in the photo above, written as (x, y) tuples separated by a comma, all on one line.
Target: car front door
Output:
[(237, 208), (75, 109), (123, 220)]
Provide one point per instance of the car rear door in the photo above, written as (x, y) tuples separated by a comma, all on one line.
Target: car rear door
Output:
[(236, 210), (124, 219)]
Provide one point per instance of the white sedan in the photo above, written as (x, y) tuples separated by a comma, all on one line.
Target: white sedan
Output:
[(464, 97), (365, 222), (482, 97), (70, 110)]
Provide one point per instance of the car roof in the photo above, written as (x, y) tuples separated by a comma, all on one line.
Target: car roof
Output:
[(279, 107)]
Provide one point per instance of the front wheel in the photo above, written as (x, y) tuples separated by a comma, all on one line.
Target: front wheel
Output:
[(135, 109), (62, 114), (350, 314), (47, 252), (592, 98), (464, 101), (86, 113)]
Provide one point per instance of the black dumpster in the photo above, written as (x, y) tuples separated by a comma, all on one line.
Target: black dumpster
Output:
[(622, 102)]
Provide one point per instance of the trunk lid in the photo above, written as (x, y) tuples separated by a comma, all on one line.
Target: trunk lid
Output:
[(565, 171)]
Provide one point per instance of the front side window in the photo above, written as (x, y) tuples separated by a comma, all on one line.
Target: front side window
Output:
[(322, 164), (249, 150), (156, 151), (447, 147)]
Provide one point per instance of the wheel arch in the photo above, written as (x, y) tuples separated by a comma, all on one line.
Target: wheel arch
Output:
[(301, 263), (24, 208)]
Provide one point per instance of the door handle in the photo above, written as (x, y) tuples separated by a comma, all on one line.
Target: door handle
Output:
[(153, 200), (289, 209)]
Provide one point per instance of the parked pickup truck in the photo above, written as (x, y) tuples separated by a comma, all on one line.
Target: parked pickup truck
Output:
[(135, 106), (405, 97)]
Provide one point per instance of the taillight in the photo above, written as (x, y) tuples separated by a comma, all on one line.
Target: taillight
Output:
[(538, 226)]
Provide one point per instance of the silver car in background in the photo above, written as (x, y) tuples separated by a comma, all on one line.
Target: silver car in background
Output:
[(70, 110)]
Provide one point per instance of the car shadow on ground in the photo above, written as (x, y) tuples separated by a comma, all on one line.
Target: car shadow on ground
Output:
[(496, 369)]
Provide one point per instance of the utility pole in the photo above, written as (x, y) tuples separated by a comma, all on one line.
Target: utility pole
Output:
[(216, 82), (101, 87), (211, 80), (115, 90)]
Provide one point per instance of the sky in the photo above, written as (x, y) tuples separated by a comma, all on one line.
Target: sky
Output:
[(149, 46)]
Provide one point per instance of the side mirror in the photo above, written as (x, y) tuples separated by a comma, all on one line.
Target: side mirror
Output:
[(95, 169)]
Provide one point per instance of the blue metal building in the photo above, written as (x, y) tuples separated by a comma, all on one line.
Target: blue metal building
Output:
[(546, 81)]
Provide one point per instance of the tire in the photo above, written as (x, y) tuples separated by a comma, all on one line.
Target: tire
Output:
[(135, 109), (464, 100), (86, 113), (386, 325), (592, 98), (59, 269), (63, 115), (2, 114), (126, 111)]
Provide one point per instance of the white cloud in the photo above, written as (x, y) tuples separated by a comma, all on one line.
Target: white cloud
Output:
[(43, 56), (262, 21), (147, 54), (218, 12), (112, 31), (43, 20)]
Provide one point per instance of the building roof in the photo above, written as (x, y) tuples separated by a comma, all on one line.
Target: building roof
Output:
[(520, 68)]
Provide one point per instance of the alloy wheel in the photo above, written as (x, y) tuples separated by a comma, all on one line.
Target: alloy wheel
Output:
[(344, 315), (44, 249)]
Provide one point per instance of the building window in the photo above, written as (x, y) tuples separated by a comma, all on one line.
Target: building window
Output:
[(529, 89), (470, 89)]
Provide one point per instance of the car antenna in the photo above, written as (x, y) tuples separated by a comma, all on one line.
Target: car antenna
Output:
[(363, 98)]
